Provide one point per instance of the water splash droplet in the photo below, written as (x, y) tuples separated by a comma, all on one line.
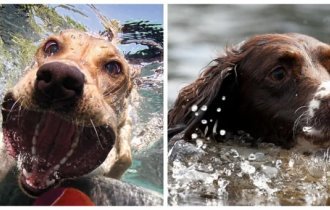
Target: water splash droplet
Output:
[(219, 109), (199, 143), (223, 98), (204, 122), (194, 136), (252, 157), (194, 108), (222, 132), (234, 153), (204, 108)]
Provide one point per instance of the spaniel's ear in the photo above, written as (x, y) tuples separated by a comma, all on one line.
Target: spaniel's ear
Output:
[(208, 105)]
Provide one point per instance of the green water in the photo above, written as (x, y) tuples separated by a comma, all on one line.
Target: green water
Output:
[(22, 27)]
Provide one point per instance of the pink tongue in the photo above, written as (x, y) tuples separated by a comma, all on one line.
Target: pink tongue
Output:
[(54, 140)]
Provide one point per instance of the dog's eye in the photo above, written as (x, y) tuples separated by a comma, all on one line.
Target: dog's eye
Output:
[(51, 47), (113, 67), (278, 74)]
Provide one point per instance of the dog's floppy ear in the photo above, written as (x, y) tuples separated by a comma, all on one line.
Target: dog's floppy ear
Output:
[(208, 104)]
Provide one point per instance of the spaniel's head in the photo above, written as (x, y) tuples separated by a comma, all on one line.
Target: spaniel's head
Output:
[(273, 86)]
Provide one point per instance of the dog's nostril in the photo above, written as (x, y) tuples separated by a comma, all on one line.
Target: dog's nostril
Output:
[(45, 76), (71, 83), (58, 84)]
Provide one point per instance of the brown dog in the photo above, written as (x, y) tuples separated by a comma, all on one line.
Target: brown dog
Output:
[(69, 110), (275, 87)]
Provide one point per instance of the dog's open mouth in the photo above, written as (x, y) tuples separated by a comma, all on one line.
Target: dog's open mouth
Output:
[(49, 148)]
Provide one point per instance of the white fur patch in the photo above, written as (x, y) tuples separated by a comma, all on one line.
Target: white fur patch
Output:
[(313, 105), (322, 92), (312, 131)]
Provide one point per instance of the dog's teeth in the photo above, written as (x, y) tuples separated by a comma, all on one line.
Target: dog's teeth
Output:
[(34, 139), (74, 145), (26, 174), (75, 142), (56, 167), (63, 160), (36, 131), (50, 182), (33, 150), (69, 153)]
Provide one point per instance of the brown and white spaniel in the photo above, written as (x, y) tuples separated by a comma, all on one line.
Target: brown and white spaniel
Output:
[(274, 86)]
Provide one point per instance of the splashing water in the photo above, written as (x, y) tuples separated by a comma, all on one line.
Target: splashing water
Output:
[(235, 173)]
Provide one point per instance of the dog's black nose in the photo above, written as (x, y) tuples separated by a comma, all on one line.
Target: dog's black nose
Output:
[(58, 85)]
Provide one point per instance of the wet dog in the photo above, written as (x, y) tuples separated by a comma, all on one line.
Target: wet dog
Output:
[(68, 115), (274, 86)]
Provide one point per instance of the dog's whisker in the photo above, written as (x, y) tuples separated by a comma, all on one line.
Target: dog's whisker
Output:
[(97, 135), (299, 119), (300, 108), (13, 106)]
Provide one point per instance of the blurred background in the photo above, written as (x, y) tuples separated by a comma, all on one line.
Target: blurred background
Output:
[(198, 33)]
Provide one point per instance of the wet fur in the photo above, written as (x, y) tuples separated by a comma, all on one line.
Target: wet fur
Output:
[(268, 110), (105, 99)]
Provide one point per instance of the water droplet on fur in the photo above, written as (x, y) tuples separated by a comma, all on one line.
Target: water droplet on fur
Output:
[(219, 109), (194, 136), (204, 122), (204, 108), (222, 132), (307, 129), (234, 153), (194, 108)]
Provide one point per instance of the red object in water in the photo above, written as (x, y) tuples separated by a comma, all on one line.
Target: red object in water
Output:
[(64, 197)]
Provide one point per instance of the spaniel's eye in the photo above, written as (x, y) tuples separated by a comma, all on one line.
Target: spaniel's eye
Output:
[(113, 67), (51, 47), (278, 74)]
